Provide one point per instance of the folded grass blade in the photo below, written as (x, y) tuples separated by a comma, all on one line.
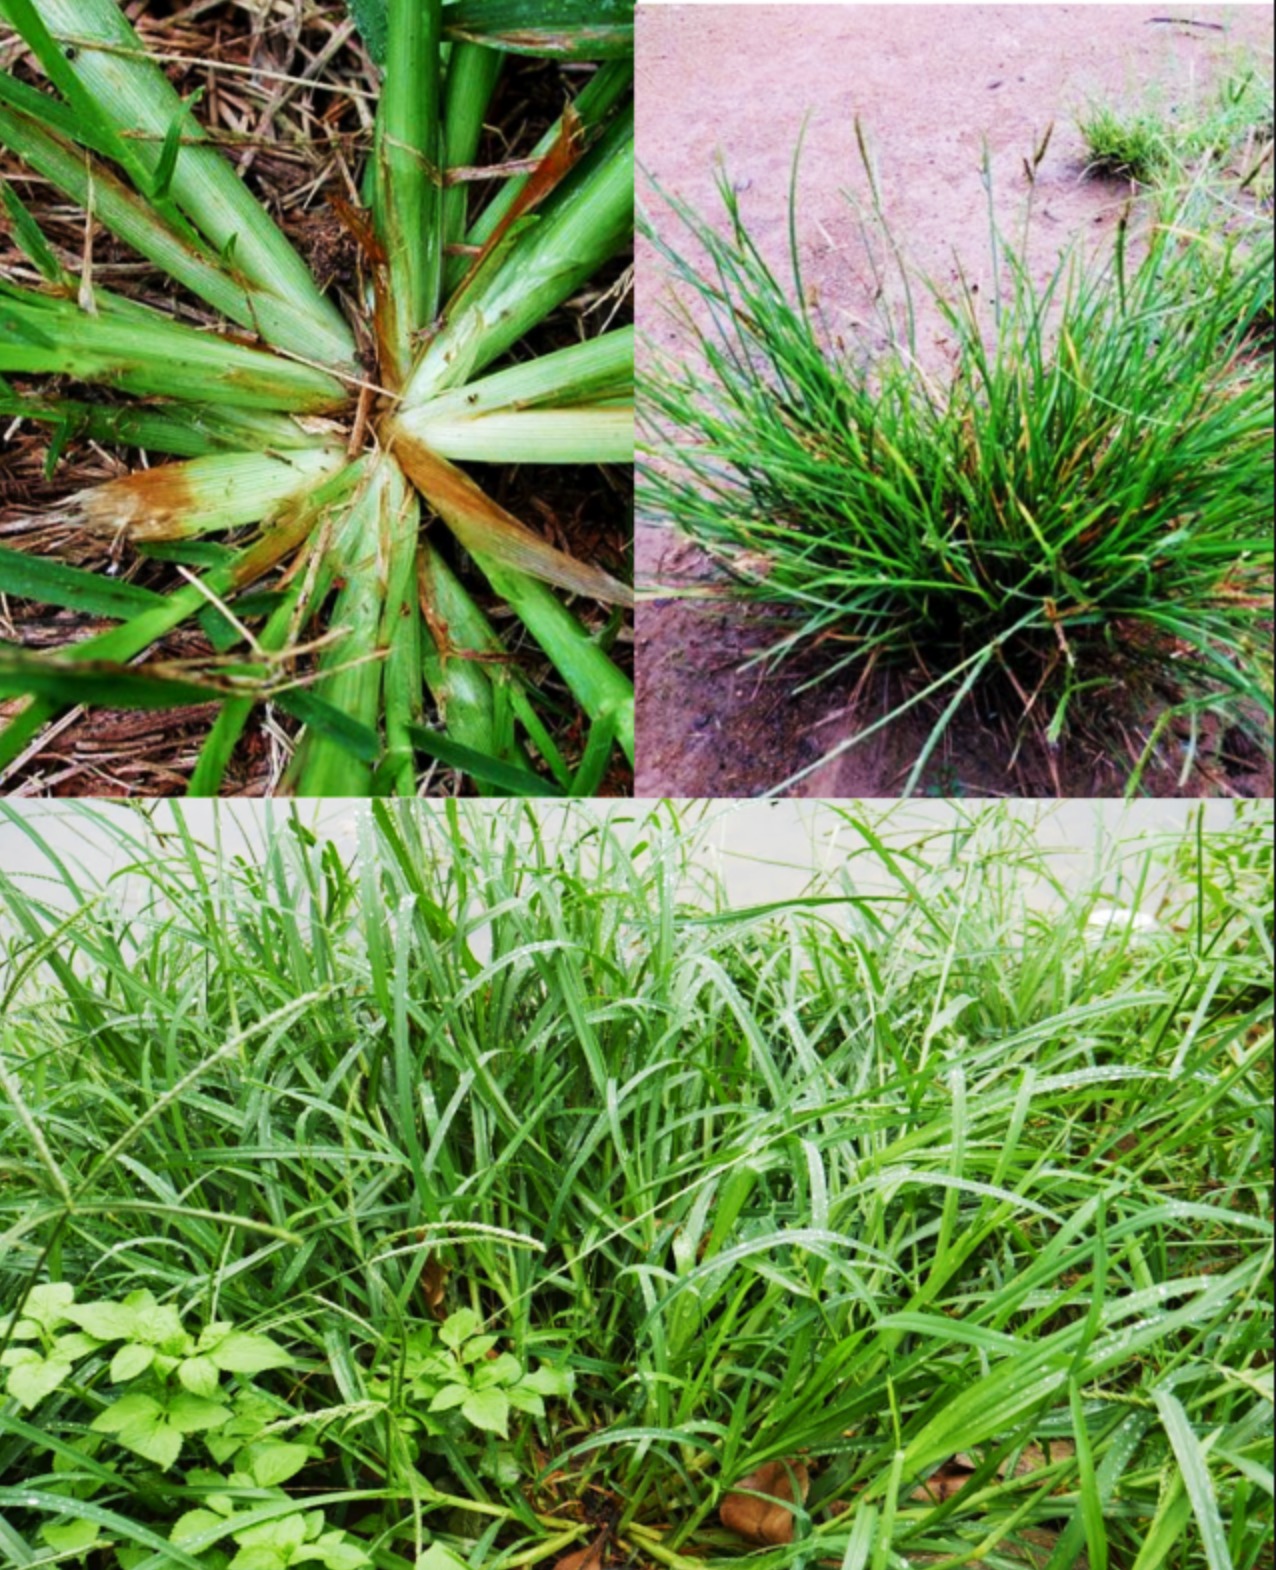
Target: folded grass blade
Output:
[(146, 353), (222, 491)]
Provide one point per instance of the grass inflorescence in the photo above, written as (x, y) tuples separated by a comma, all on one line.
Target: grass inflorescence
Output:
[(1077, 502), (944, 1180)]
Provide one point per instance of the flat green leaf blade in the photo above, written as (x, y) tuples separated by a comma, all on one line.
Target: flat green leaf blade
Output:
[(559, 29), (96, 682), (318, 715), (488, 771), (29, 235), (1196, 1478), (71, 588)]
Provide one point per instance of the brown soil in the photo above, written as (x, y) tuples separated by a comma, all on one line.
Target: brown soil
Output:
[(289, 92), (733, 86)]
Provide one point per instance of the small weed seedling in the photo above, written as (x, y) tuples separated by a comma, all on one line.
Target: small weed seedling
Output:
[(177, 1398)]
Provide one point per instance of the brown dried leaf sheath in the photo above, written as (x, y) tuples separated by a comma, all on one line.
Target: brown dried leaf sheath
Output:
[(486, 529)]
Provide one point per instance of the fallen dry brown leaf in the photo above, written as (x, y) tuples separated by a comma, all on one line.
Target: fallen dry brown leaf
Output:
[(590, 1558), (956, 1472), (766, 1521)]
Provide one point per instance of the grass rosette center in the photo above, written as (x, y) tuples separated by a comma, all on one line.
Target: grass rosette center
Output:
[(340, 608)]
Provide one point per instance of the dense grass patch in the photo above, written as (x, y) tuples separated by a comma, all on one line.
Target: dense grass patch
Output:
[(936, 1161), (1153, 139), (1077, 505)]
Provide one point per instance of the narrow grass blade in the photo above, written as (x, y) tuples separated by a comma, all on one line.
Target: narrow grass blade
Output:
[(560, 29), (487, 770), (130, 91), (593, 680), (1196, 1478), (72, 588)]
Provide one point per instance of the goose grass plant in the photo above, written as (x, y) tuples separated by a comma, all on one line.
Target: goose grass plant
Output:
[(1081, 500), (945, 1154), (1152, 140), (334, 442), (1208, 169)]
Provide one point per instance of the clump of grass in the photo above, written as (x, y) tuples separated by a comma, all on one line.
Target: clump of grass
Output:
[(1207, 168), (1134, 145), (339, 608), (1152, 141), (1084, 493), (944, 1156)]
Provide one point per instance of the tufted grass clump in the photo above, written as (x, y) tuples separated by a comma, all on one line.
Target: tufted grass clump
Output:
[(1153, 141), (1079, 500)]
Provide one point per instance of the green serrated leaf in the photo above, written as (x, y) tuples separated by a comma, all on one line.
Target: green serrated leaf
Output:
[(70, 1537), (449, 1397), (131, 1360), (503, 1370), (46, 1303), (459, 1327), (524, 1400), (437, 1557), (107, 1321), (36, 1377), (243, 1352), (130, 1409), (489, 1410), (200, 1376), (189, 1413), (477, 1347), (193, 1523), (549, 1381), (272, 1462)]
